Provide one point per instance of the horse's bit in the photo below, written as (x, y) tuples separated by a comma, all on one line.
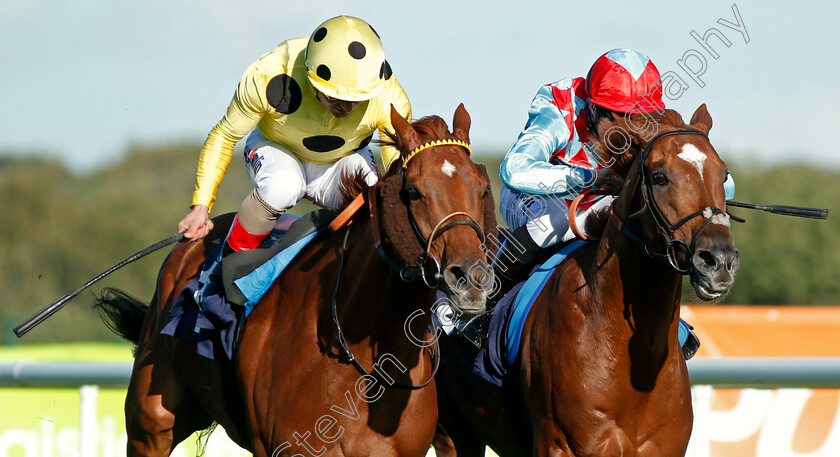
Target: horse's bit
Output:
[(663, 227), (407, 274)]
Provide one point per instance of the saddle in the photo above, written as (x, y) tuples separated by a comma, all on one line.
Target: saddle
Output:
[(477, 330), (210, 310), (239, 264)]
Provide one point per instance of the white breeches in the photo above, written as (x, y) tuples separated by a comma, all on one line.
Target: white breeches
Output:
[(547, 219), (282, 179)]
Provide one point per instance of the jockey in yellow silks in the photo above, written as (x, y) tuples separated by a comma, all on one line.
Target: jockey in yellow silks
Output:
[(309, 108)]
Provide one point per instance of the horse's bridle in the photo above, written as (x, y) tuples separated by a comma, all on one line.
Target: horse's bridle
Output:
[(434, 355), (410, 273), (407, 273), (664, 228)]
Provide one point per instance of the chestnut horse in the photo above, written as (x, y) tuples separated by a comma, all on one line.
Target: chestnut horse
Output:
[(600, 371), (334, 358)]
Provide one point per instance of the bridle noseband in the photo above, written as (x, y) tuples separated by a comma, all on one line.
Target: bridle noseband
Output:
[(664, 228), (437, 231), (408, 273)]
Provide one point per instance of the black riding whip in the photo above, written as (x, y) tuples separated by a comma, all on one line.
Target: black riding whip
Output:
[(53, 307), (798, 211)]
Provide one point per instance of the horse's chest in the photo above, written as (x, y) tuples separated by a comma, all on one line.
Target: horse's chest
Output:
[(342, 417), (661, 429)]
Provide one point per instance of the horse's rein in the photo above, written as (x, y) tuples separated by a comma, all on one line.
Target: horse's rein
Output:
[(409, 273), (573, 212), (434, 355), (664, 227), (406, 273)]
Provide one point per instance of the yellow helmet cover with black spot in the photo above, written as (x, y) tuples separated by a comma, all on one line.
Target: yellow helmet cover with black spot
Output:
[(345, 59)]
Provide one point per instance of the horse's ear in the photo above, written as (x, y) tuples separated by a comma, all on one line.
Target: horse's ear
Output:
[(461, 124), (490, 227), (701, 119), (404, 131)]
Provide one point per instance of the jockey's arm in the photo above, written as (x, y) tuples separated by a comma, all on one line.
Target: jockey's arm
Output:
[(527, 167), (244, 112)]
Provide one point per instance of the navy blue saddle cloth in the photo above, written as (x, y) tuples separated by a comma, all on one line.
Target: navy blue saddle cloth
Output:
[(212, 308), (499, 353)]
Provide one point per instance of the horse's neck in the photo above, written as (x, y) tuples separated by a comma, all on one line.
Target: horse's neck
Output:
[(374, 304), (637, 293)]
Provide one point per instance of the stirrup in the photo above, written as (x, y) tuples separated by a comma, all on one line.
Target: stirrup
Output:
[(688, 340), (476, 329)]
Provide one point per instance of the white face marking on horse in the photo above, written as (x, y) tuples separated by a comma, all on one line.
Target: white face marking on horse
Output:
[(447, 168), (694, 156)]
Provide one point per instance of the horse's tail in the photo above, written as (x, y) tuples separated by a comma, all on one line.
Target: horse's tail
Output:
[(122, 313)]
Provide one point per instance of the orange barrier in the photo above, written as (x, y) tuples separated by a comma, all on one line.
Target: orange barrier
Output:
[(765, 331), (765, 423)]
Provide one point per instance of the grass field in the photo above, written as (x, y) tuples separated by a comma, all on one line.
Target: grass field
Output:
[(68, 352), (45, 422)]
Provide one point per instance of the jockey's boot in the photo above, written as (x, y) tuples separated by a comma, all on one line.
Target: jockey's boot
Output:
[(239, 239), (688, 340), (515, 258)]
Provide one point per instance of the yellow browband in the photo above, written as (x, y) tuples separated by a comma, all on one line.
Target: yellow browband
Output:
[(432, 144)]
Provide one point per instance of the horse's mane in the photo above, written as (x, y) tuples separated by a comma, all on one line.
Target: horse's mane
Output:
[(351, 185), (671, 117), (431, 127), (621, 162)]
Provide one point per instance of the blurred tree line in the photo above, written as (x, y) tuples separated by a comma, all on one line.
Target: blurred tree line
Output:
[(60, 229)]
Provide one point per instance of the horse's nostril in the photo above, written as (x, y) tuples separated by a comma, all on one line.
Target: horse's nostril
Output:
[(706, 261), (717, 258), (734, 260), (707, 258), (482, 277), (455, 277), (459, 278)]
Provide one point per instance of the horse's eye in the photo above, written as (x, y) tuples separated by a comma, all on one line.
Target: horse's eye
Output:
[(660, 179), (487, 191), (413, 193)]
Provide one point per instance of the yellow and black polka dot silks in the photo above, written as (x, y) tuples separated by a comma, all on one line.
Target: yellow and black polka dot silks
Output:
[(275, 96), (345, 59)]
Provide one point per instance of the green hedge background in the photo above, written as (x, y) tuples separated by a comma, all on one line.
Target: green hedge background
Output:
[(59, 229)]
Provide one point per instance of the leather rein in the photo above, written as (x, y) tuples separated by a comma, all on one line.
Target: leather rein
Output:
[(406, 273), (664, 228), (434, 355)]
